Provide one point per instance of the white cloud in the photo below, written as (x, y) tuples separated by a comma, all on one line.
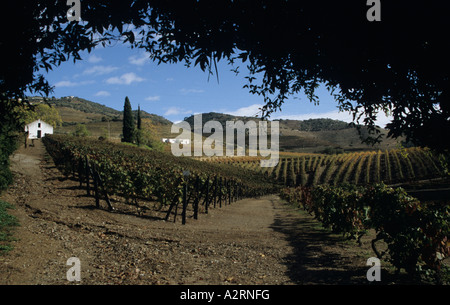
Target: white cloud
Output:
[(94, 59), (65, 83), (169, 79), (68, 83), (125, 79), (177, 111), (153, 98), (102, 93), (251, 110), (187, 91), (100, 70), (139, 60)]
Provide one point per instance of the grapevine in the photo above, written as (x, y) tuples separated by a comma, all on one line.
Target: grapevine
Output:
[(134, 173)]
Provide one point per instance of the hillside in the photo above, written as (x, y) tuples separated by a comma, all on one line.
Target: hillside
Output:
[(222, 118), (99, 119), (78, 110), (313, 135), (235, 244)]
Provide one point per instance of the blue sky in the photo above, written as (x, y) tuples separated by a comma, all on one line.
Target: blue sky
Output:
[(108, 74)]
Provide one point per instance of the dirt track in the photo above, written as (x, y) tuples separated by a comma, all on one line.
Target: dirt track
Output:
[(254, 241)]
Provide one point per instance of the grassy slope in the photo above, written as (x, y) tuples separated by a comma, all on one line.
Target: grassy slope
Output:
[(295, 136)]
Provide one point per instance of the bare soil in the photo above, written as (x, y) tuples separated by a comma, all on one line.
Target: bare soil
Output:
[(251, 241)]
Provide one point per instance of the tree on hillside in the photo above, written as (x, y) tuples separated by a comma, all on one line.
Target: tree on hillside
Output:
[(398, 65), (128, 122), (44, 112), (149, 136), (139, 120), (139, 131), (81, 131)]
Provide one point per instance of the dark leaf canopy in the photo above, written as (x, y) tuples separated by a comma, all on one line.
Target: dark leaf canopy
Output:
[(398, 65)]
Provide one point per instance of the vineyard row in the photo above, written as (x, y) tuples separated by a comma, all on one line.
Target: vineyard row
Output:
[(140, 174), (416, 234), (390, 166)]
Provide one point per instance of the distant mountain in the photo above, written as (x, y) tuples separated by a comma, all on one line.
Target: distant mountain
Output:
[(313, 135), (305, 125), (79, 110), (316, 124), (220, 117)]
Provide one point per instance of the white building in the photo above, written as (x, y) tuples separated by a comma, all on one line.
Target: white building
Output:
[(38, 129), (173, 141)]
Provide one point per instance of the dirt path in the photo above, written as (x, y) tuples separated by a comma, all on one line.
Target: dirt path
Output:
[(254, 241)]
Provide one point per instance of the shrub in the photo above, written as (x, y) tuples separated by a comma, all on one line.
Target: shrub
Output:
[(396, 217), (8, 144), (341, 209), (7, 223), (416, 234), (81, 131)]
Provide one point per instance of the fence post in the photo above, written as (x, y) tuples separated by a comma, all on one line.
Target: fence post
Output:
[(80, 170), (229, 191), (207, 196), (225, 185), (198, 194), (220, 192), (87, 176), (215, 189), (97, 198), (183, 213)]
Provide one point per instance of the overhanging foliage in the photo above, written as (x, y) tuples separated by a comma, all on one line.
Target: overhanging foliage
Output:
[(398, 65)]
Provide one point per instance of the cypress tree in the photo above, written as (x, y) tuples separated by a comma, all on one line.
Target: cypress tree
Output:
[(139, 121), (128, 122), (139, 127)]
